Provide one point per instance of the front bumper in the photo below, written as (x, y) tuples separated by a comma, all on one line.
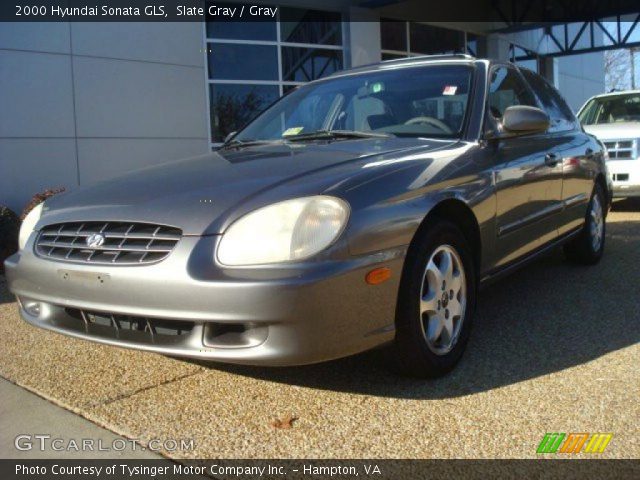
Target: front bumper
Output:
[(626, 191), (270, 316), (625, 175)]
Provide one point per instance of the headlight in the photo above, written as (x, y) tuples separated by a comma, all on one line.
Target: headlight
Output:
[(283, 232), (28, 224)]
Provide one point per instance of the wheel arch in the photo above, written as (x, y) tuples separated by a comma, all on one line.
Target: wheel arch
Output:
[(601, 180), (460, 214)]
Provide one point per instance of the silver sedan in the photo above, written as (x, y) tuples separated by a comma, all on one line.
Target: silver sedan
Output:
[(360, 210)]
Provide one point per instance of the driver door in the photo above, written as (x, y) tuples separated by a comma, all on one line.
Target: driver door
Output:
[(527, 172)]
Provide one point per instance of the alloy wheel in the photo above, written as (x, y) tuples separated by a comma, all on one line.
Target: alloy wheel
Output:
[(443, 299)]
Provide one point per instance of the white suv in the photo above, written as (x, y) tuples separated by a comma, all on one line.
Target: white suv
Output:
[(615, 119)]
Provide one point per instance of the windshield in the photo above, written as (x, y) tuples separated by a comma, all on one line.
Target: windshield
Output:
[(428, 101), (618, 108)]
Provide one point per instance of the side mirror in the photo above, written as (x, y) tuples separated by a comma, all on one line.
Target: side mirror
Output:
[(520, 119), (229, 137)]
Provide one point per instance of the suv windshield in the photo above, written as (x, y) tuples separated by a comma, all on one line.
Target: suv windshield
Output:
[(429, 101), (613, 109)]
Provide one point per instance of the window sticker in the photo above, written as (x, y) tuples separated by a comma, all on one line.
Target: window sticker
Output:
[(450, 90), (292, 131)]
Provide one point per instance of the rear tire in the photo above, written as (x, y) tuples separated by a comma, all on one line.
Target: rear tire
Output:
[(436, 302), (587, 248)]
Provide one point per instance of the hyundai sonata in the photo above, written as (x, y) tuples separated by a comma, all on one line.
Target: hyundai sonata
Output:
[(359, 210)]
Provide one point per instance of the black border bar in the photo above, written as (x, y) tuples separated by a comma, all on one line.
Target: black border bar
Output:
[(506, 12), (164, 469)]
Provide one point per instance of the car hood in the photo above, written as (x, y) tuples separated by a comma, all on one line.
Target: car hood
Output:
[(614, 131), (196, 194)]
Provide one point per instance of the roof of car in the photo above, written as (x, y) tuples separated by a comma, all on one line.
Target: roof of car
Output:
[(613, 94), (407, 62)]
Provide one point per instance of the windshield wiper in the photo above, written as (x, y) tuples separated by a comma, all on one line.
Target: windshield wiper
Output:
[(316, 135), (330, 134), (247, 143)]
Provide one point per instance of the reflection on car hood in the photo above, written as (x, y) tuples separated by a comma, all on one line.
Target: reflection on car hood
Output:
[(193, 193), (611, 131)]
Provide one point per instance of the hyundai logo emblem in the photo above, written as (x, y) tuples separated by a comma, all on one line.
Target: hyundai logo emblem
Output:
[(95, 240)]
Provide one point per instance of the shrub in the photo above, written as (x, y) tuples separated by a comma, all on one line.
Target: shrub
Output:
[(38, 198), (10, 223), (9, 231)]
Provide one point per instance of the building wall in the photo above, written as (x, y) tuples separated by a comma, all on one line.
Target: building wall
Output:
[(580, 77), (363, 42), (83, 102)]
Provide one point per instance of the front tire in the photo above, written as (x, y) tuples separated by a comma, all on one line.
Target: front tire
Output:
[(588, 247), (436, 302)]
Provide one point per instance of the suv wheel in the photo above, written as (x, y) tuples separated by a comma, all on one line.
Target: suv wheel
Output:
[(587, 248), (436, 302)]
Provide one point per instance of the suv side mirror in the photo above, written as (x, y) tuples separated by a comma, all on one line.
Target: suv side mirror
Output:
[(521, 119)]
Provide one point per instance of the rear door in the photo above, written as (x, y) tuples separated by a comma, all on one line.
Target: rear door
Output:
[(528, 174), (571, 145)]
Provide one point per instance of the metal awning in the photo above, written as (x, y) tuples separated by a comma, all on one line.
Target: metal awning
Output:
[(557, 28)]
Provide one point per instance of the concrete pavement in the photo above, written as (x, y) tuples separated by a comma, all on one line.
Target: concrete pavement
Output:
[(31, 419)]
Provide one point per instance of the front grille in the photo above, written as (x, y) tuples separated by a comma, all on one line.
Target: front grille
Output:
[(118, 242), (621, 149), (148, 327)]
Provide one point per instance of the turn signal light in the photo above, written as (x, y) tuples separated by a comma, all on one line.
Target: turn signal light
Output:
[(377, 276)]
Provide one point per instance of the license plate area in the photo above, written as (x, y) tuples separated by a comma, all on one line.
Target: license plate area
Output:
[(86, 278)]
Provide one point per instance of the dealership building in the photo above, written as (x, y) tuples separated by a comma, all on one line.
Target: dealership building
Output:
[(84, 102)]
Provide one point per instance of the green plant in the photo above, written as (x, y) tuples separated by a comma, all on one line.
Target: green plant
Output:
[(9, 231), (38, 198)]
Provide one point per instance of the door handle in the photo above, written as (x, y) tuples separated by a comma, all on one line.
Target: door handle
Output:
[(551, 159)]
